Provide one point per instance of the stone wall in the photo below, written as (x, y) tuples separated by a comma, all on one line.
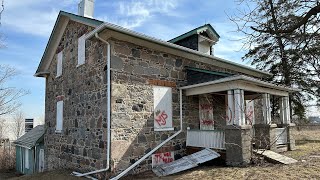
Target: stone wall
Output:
[(82, 144)]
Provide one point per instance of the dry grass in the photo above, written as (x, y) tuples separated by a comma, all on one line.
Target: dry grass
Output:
[(308, 154), (51, 175)]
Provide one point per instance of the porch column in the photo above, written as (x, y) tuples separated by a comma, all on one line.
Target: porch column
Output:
[(239, 112), (266, 108), (286, 120), (230, 108), (285, 110), (265, 132)]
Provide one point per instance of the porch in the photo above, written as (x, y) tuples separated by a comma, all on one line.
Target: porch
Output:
[(238, 113)]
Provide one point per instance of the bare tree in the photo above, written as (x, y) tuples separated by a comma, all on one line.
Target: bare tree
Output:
[(17, 126), (1, 10), (9, 96), (3, 127), (2, 38), (282, 37)]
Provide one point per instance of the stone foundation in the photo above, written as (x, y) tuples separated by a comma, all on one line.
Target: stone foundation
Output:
[(238, 145), (265, 136), (291, 140)]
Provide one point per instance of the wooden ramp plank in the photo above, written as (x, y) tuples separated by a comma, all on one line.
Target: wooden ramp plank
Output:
[(276, 157), (186, 162)]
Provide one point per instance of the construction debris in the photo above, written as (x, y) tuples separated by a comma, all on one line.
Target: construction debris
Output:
[(186, 162), (273, 156)]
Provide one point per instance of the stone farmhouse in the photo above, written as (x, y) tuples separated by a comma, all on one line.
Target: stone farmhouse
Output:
[(118, 101)]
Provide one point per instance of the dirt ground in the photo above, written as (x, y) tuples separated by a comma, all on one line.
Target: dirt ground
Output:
[(307, 153)]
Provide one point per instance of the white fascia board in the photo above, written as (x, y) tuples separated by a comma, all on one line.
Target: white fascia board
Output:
[(246, 79)]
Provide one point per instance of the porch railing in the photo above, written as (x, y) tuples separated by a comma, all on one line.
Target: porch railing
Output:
[(206, 138)]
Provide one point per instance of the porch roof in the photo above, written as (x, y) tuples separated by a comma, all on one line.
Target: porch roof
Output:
[(238, 82)]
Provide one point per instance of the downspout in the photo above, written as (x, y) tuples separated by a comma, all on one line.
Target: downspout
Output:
[(108, 113), (156, 148)]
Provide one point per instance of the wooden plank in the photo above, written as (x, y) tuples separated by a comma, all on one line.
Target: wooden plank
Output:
[(276, 157)]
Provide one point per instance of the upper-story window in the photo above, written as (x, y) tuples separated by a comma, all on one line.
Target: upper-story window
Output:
[(81, 50), (59, 63)]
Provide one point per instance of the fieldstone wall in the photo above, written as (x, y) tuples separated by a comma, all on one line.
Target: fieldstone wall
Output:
[(81, 144), (135, 70)]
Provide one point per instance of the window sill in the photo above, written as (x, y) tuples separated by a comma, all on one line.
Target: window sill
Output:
[(78, 65), (164, 129), (58, 131)]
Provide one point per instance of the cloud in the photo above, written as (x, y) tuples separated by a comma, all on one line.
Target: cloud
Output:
[(35, 17), (133, 14)]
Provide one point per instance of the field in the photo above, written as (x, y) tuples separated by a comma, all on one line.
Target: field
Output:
[(307, 153)]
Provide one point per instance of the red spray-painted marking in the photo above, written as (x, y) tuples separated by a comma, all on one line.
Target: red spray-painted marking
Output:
[(163, 157), (162, 118)]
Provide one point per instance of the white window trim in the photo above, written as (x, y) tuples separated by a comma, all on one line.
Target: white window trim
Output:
[(81, 50), (59, 116), (59, 64)]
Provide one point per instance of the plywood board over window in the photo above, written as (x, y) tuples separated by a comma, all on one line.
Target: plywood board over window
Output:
[(59, 117), (59, 63), (162, 108), (206, 112), (81, 50)]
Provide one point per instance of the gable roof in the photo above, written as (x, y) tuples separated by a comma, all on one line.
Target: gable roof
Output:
[(30, 139), (56, 34), (198, 30)]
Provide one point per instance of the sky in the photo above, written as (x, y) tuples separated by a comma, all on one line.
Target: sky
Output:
[(27, 25)]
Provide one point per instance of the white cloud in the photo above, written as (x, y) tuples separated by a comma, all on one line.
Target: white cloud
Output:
[(34, 17), (133, 14)]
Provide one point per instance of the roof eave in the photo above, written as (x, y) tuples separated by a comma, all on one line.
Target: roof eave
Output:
[(68, 16), (242, 78)]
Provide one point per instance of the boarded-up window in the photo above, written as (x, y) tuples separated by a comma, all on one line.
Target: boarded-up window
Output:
[(81, 50), (249, 117), (59, 63), (59, 116), (162, 108), (26, 158), (206, 112)]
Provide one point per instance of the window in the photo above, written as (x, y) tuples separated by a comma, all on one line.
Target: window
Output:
[(26, 158), (81, 50), (162, 108), (59, 64), (59, 117)]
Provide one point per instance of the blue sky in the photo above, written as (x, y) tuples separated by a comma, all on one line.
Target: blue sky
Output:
[(27, 25)]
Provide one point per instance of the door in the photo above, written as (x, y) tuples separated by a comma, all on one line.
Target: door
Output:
[(41, 160)]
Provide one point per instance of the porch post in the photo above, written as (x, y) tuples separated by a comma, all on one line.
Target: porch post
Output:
[(266, 108), (286, 120), (265, 132), (230, 108), (239, 114)]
